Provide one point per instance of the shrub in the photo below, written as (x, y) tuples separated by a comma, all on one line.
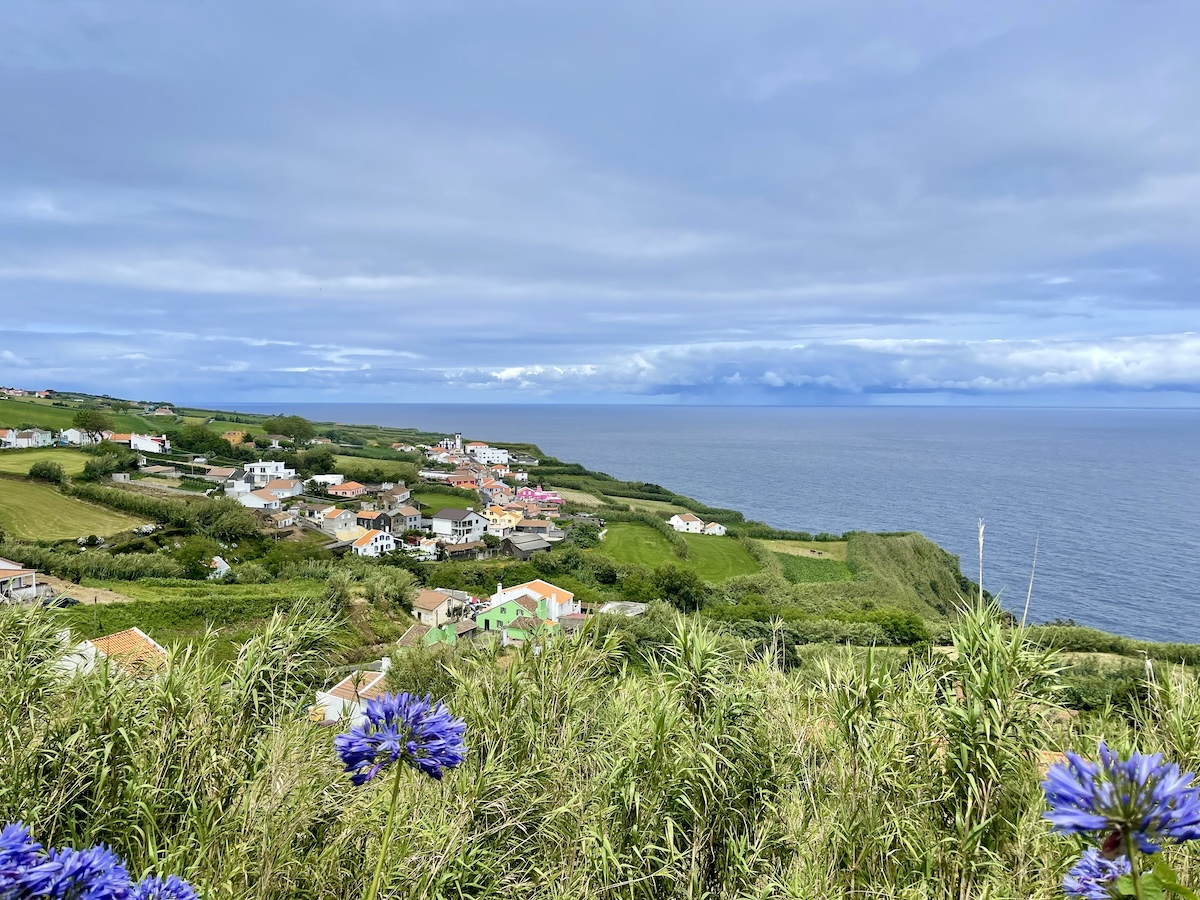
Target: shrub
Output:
[(48, 471)]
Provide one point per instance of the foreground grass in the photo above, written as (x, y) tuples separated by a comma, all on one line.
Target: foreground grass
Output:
[(17, 462), (594, 771), (37, 512), (712, 558)]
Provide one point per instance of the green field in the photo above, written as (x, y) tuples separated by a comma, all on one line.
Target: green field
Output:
[(654, 506), (712, 558), (831, 549), (17, 462), (580, 497), (809, 570), (42, 414), (437, 502), (32, 511), (394, 469)]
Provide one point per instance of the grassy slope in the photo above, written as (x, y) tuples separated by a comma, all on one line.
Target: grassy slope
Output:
[(42, 414), (31, 511), (17, 462), (437, 502), (807, 570), (580, 497), (397, 470), (713, 558), (654, 506)]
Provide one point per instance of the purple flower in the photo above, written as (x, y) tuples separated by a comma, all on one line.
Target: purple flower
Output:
[(170, 888), (1093, 877), (402, 727), (1141, 796), (21, 859), (93, 874)]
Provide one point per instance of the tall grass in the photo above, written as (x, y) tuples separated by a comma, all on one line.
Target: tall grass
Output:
[(696, 772)]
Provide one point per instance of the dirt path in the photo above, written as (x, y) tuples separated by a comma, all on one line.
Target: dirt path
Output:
[(82, 594)]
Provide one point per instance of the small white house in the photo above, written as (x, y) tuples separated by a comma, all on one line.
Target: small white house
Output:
[(218, 568), (714, 528), (16, 582), (76, 437), (334, 520), (434, 607), (284, 488), (349, 697), (266, 471), (33, 437), (260, 499), (374, 543), (328, 480), (459, 526), (687, 523), (481, 452), (149, 443)]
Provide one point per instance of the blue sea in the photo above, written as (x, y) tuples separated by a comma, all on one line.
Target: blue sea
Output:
[(1112, 497)]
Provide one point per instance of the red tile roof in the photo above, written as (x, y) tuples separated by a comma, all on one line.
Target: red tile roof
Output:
[(132, 649)]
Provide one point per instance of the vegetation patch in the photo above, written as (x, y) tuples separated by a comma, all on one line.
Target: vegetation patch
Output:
[(810, 570), (38, 512), (436, 502), (581, 497), (816, 549)]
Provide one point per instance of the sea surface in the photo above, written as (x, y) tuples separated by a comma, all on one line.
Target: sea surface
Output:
[(1112, 497)]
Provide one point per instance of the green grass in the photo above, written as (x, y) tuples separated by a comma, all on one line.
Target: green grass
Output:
[(580, 497), (395, 470), (712, 558), (38, 512), (808, 570), (438, 502), (831, 549), (182, 612), (17, 462), (654, 506), (42, 414)]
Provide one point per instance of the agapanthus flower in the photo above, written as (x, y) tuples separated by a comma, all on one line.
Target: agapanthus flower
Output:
[(93, 874), (402, 727), (21, 857), (1094, 877), (170, 888), (1142, 797)]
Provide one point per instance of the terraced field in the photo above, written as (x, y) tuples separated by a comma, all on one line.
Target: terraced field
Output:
[(37, 512), (17, 462)]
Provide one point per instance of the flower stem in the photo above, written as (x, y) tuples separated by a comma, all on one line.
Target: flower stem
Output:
[(373, 890), (1131, 855)]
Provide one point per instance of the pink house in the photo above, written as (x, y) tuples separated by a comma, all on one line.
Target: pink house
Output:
[(537, 495), (347, 489)]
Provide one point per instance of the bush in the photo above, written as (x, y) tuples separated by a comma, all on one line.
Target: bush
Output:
[(48, 471)]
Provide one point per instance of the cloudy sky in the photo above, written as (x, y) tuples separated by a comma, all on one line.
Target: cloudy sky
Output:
[(802, 201)]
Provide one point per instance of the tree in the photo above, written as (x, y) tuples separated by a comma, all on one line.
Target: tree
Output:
[(198, 439), (491, 541), (92, 423), (297, 428), (680, 587), (47, 471)]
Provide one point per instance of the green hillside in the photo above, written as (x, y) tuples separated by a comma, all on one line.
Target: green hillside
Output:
[(42, 414), (712, 558), (17, 462), (38, 512)]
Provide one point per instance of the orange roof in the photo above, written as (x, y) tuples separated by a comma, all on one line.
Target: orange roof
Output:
[(370, 514), (121, 438), (408, 511), (477, 444), (365, 540), (358, 686), (429, 600), (347, 486), (542, 589), (132, 649), (6, 574), (281, 484), (264, 494), (333, 512), (688, 517)]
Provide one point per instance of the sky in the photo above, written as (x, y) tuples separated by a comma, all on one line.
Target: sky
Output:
[(793, 202)]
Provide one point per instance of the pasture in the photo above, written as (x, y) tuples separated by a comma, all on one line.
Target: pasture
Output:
[(17, 462), (712, 558), (37, 512), (811, 570), (581, 497), (42, 414), (816, 549)]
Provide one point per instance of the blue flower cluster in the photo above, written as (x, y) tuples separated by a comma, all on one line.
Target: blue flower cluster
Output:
[(1141, 796), (27, 872), (403, 727), (1093, 877)]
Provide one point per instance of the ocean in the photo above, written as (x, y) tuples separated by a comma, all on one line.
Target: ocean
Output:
[(1112, 497)]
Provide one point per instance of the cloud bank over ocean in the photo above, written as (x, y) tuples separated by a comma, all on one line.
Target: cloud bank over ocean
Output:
[(763, 203)]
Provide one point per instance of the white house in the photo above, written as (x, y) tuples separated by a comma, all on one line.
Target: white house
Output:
[(374, 543), (284, 488), (424, 550), (260, 499), (481, 452), (328, 480), (132, 651), (558, 601), (349, 697), (714, 528), (219, 568), (16, 582), (34, 437), (76, 437), (148, 443), (459, 526), (334, 520), (265, 471), (686, 523), (435, 608)]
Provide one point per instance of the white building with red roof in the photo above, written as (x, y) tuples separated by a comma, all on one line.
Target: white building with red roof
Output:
[(374, 543)]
